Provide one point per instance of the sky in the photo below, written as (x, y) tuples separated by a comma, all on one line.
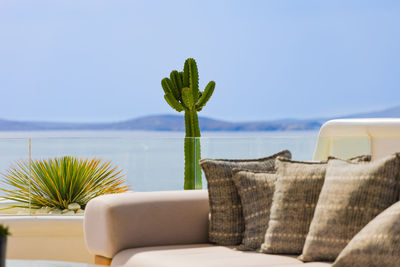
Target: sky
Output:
[(102, 61)]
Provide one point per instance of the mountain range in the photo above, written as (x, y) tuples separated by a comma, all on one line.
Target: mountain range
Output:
[(176, 123)]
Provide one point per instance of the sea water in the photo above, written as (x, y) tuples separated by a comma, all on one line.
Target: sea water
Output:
[(150, 161)]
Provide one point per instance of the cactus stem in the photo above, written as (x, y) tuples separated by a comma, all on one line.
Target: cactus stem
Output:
[(182, 93)]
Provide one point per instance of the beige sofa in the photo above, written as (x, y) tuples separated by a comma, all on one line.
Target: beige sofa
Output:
[(170, 228), (167, 228)]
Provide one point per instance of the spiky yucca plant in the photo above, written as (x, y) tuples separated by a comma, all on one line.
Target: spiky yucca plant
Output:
[(57, 182), (182, 94)]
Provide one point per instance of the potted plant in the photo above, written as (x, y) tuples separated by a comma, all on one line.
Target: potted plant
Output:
[(60, 185), (182, 94), (3, 244)]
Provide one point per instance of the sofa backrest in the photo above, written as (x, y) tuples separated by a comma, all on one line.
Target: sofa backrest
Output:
[(346, 138)]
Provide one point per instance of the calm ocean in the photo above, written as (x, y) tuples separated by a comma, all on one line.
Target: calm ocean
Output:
[(150, 160)]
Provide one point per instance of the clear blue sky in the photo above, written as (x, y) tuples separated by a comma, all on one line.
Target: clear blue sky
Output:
[(97, 60)]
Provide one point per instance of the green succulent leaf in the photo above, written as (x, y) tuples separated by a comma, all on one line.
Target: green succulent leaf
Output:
[(205, 96), (173, 102)]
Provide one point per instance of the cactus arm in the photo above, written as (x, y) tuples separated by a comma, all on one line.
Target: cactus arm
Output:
[(173, 102), (205, 95), (194, 78), (166, 85), (181, 76), (177, 84), (186, 74), (187, 98)]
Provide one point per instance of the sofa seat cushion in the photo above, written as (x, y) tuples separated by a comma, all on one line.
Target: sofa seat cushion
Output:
[(309, 264), (199, 255)]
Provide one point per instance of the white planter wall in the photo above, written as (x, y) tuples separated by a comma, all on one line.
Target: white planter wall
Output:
[(46, 238)]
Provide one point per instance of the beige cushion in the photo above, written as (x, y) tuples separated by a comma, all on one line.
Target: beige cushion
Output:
[(378, 242), (296, 193), (227, 223), (308, 264), (351, 196), (256, 190), (199, 255)]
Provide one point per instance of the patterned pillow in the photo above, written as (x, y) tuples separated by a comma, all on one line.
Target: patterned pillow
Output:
[(378, 242), (256, 190), (226, 223), (296, 195), (351, 196)]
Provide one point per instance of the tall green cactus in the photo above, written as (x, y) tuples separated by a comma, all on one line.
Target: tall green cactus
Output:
[(182, 94)]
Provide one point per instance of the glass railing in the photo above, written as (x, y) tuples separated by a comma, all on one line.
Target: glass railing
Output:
[(11, 151), (147, 164)]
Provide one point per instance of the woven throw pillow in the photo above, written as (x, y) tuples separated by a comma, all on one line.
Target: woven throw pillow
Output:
[(352, 195), (377, 244), (296, 195), (256, 190), (226, 225)]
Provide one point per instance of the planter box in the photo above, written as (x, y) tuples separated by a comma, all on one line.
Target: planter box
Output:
[(45, 237)]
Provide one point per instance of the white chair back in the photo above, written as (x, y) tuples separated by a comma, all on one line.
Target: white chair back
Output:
[(346, 138)]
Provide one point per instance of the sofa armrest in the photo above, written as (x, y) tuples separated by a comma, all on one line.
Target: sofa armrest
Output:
[(128, 220)]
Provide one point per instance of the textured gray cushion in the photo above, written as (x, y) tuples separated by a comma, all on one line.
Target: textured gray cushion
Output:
[(226, 222), (351, 196), (256, 190), (296, 194), (377, 244)]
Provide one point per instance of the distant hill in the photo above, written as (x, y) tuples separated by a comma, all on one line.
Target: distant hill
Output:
[(393, 112), (176, 123)]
